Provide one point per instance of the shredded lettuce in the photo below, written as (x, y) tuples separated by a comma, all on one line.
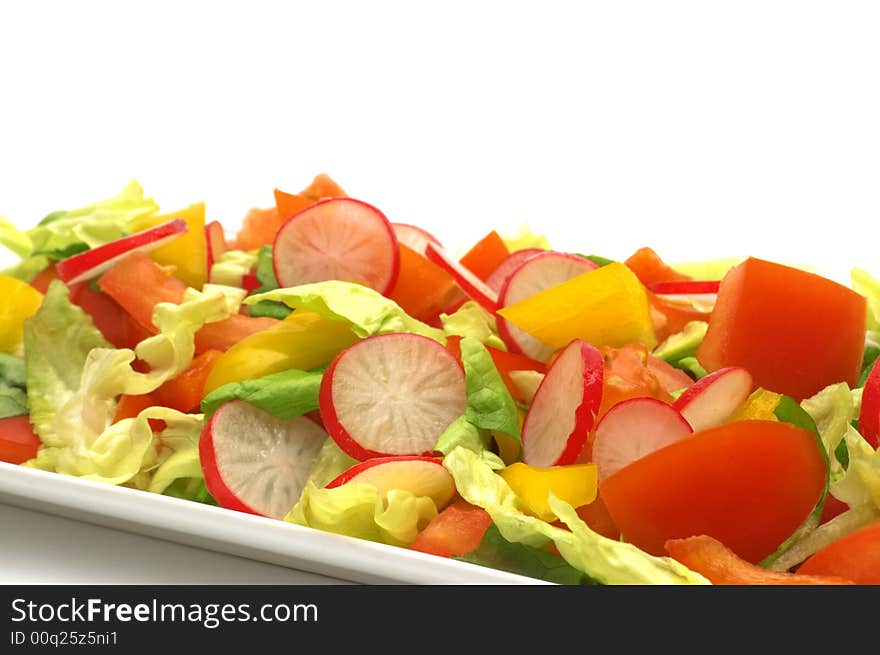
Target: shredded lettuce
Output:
[(359, 510), (366, 310), (525, 238), (232, 265), (471, 320), (604, 560), (330, 462)]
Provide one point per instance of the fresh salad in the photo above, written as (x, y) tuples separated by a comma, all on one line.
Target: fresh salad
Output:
[(571, 417)]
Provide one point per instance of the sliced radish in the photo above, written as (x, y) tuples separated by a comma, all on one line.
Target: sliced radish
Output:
[(256, 463), (391, 394), (508, 265), (473, 286), (421, 476), (215, 239), (414, 237), (337, 239), (632, 429), (537, 273), (869, 414), (91, 263), (564, 408), (685, 287), (712, 399)]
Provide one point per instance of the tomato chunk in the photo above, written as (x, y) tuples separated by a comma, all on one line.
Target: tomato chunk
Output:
[(185, 392), (720, 565), (138, 283), (650, 268), (855, 556), (749, 484), (456, 530), (486, 255), (794, 331), (18, 441)]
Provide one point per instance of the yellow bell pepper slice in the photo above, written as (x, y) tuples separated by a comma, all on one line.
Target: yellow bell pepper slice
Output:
[(302, 341), (18, 302), (607, 306), (188, 253), (759, 406), (576, 484)]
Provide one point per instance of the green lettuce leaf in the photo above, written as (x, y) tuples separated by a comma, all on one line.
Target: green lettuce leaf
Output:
[(465, 434), (869, 359), (358, 510), (265, 272), (604, 560), (14, 239), (682, 345), (366, 310), (283, 395), (598, 260), (471, 320), (489, 404), (330, 462), (13, 386), (496, 552)]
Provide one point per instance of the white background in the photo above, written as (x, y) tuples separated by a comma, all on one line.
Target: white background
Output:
[(699, 128)]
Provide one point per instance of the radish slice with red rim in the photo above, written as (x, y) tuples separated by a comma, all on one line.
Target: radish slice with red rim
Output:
[(421, 476), (215, 239), (869, 413), (537, 273), (91, 263), (632, 429), (564, 408), (712, 399), (337, 239), (391, 394), (508, 265), (414, 237), (473, 286), (254, 462)]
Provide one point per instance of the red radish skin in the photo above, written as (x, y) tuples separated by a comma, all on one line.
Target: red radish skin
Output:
[(414, 237), (869, 414), (499, 276), (421, 476), (635, 428), (686, 287), (537, 273), (712, 399), (256, 463), (391, 394), (564, 408), (93, 262), (337, 239), (474, 287)]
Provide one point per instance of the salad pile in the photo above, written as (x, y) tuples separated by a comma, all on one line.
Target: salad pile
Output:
[(560, 415)]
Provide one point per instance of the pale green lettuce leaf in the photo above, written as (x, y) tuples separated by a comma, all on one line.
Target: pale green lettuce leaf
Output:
[(865, 284), (524, 238), (471, 320), (366, 310), (75, 409), (711, 270), (489, 403), (462, 432), (527, 382), (231, 266), (330, 462), (832, 409), (604, 560), (682, 344), (359, 510), (14, 239)]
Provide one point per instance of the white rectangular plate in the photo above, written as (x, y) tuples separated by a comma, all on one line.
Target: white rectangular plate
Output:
[(236, 533)]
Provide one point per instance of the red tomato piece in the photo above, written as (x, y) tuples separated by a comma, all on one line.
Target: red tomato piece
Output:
[(130, 406), (794, 331), (185, 392), (721, 566), (486, 255), (855, 556), (18, 441), (650, 268), (106, 314), (456, 530), (749, 484)]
